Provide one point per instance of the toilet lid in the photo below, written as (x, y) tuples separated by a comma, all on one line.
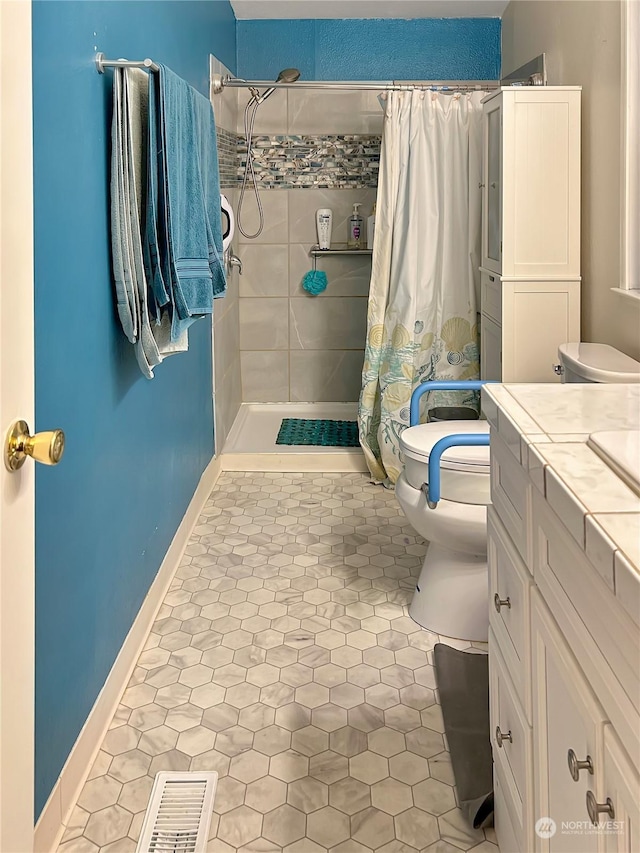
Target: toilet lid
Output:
[(599, 363), (418, 441)]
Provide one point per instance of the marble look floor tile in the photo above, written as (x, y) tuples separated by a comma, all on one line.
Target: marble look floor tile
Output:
[(308, 795), (284, 825), (455, 829), (328, 827), (391, 796), (434, 797), (283, 658), (372, 827), (266, 794), (108, 825), (416, 828), (240, 826), (350, 795)]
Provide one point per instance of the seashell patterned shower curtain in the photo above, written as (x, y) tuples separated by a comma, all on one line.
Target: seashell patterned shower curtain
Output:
[(422, 321)]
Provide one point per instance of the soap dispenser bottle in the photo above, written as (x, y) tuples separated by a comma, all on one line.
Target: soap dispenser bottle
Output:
[(355, 237)]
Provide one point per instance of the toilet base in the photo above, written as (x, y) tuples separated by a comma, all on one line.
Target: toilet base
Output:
[(451, 597)]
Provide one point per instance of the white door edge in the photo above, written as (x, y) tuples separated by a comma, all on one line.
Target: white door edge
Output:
[(17, 562)]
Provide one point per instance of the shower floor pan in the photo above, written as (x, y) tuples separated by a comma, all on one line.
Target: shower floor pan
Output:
[(251, 444)]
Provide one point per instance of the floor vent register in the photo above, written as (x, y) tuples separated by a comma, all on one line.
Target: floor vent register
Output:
[(178, 816)]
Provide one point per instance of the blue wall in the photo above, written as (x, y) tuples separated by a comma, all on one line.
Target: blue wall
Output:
[(135, 449), (425, 49)]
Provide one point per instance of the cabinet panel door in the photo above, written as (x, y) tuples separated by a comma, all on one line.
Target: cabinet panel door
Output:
[(541, 185), (492, 190), (490, 349), (537, 318), (566, 717), (622, 786), (491, 296)]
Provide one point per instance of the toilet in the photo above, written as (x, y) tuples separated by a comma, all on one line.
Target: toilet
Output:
[(451, 596), (452, 591)]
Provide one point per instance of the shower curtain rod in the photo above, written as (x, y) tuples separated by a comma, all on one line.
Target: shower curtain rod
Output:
[(219, 83)]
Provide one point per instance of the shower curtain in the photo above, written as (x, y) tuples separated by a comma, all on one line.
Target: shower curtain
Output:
[(422, 301)]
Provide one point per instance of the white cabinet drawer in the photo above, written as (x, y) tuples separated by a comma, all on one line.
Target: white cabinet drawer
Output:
[(509, 581), (491, 296), (511, 737), (566, 718), (622, 787), (510, 493), (602, 635), (509, 830)]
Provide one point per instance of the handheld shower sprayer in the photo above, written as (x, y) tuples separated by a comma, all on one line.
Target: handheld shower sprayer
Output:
[(287, 75)]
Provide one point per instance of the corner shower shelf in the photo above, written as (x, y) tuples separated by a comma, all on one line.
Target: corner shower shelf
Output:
[(317, 252)]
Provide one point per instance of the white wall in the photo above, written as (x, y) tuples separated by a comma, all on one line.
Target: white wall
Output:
[(582, 40)]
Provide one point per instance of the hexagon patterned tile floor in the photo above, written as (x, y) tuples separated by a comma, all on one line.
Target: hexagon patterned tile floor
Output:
[(283, 657)]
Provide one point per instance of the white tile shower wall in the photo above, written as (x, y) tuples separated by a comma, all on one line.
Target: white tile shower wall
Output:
[(276, 313), (296, 347), (225, 105), (315, 111), (226, 361), (227, 385)]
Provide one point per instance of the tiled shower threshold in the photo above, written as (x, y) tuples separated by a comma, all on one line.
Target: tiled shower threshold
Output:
[(283, 658)]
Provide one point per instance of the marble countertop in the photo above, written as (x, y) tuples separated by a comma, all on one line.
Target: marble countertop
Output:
[(546, 427)]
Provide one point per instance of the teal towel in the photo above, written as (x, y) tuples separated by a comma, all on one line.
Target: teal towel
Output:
[(155, 244), (208, 153), (192, 242)]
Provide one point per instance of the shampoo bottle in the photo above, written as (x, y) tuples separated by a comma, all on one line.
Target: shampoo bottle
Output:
[(324, 221), (371, 225), (355, 235)]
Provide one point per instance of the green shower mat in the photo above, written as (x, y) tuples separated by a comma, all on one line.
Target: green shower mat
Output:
[(318, 433)]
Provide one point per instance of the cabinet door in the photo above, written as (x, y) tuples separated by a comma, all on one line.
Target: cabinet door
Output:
[(490, 349), (567, 717), (541, 182), (492, 190), (622, 787), (491, 296), (537, 317)]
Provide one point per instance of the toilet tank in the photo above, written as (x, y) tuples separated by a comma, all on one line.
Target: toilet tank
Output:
[(583, 362)]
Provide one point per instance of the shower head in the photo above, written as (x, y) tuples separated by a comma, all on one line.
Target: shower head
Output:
[(287, 75)]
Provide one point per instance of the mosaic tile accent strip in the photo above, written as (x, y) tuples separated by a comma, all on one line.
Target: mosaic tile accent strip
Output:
[(283, 657), (321, 162), (227, 158)]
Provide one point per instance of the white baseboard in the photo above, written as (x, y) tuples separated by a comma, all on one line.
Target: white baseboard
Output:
[(338, 461), (56, 813)]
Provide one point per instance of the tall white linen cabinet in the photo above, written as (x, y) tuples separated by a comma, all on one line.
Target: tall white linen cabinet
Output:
[(530, 273)]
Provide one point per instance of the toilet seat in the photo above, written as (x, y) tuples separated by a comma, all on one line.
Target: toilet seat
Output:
[(465, 471)]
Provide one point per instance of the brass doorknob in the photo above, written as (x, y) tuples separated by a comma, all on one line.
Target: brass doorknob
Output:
[(45, 447)]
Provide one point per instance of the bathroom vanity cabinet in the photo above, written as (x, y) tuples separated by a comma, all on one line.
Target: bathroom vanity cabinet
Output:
[(564, 640), (530, 272)]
